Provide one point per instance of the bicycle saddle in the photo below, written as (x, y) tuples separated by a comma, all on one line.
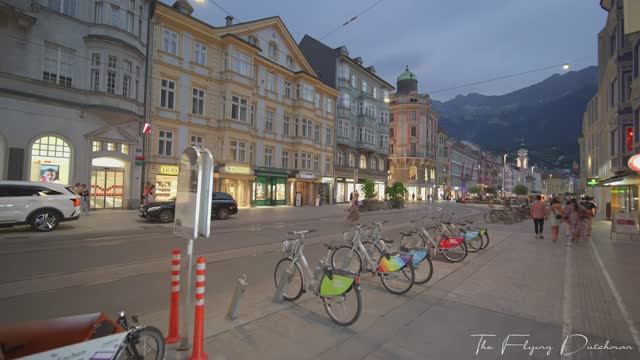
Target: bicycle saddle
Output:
[(407, 233), (387, 241), (301, 232), (329, 246)]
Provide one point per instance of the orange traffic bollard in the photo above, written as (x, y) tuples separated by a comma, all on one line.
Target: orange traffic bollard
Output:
[(198, 328), (174, 310)]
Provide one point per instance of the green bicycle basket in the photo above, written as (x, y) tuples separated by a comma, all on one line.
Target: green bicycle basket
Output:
[(336, 282)]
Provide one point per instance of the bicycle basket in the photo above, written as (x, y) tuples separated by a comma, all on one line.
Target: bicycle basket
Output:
[(418, 254), (450, 243), (288, 246), (336, 282), (348, 236), (393, 263)]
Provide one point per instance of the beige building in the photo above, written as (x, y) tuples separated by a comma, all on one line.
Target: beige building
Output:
[(247, 93), (413, 136)]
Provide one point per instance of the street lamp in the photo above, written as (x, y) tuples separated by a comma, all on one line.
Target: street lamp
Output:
[(566, 67), (504, 173)]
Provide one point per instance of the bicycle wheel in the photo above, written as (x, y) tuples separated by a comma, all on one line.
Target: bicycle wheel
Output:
[(487, 217), (485, 239), (423, 271), (399, 282), (345, 258), (414, 240), (143, 343), (293, 291), (373, 250), (455, 254), (345, 309), (474, 244)]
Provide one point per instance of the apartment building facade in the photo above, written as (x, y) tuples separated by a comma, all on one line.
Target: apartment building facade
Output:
[(72, 94), (247, 93), (362, 128), (413, 137)]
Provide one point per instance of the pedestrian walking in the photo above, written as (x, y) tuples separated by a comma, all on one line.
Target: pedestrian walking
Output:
[(151, 196), (413, 197), (576, 214), (351, 197), (353, 213), (84, 199), (590, 212), (557, 214), (538, 212)]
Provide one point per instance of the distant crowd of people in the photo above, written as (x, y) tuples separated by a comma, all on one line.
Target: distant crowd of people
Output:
[(577, 215)]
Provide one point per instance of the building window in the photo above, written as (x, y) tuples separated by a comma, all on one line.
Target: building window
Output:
[(413, 131), (58, 65), (271, 81), (112, 62), (273, 50), (111, 146), (197, 105), (343, 71), (124, 148), (115, 16), (200, 54), (126, 85), (285, 125), (329, 140), (392, 149), (340, 158), (165, 142), (375, 92), (414, 116), (307, 128), (363, 161), (306, 161), (390, 132), (365, 87), (252, 115), (196, 141), (170, 41), (167, 93), (289, 62), (238, 108), (413, 149), (285, 159), (269, 115), (352, 160), (252, 40), (354, 81), (297, 127), (295, 160), (413, 173), (373, 162), (316, 134), (129, 24), (95, 79), (128, 66), (237, 150), (96, 146), (307, 92), (97, 13), (140, 23), (327, 166), (316, 163), (95, 60), (268, 156), (287, 89), (67, 7), (381, 164), (111, 82), (252, 153), (330, 106), (240, 63)]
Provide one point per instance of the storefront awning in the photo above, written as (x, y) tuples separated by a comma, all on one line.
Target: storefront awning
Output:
[(620, 179), (268, 171)]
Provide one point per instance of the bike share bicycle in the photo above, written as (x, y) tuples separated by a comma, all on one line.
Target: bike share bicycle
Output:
[(477, 238), (453, 248), (338, 289), (395, 270)]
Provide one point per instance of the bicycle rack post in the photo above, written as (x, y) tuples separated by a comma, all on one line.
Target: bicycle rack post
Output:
[(241, 287), (285, 279)]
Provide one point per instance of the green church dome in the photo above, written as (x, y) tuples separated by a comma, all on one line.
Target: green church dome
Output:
[(407, 75)]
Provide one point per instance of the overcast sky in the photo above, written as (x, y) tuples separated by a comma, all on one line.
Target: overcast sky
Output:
[(445, 42)]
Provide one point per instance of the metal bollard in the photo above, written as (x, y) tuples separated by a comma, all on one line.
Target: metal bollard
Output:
[(241, 286), (285, 279)]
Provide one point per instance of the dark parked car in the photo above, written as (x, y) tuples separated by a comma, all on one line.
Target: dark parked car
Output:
[(222, 205)]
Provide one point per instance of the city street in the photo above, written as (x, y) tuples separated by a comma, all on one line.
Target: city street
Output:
[(519, 285)]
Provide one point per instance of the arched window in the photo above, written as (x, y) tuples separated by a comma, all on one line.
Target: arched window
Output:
[(381, 164), (50, 160), (363, 161), (352, 160), (373, 163), (413, 173), (340, 158)]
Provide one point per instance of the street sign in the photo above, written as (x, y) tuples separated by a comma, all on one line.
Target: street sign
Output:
[(634, 162), (591, 182), (206, 165), (187, 203)]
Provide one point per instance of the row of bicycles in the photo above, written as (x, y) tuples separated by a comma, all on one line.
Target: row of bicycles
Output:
[(507, 214), (336, 278)]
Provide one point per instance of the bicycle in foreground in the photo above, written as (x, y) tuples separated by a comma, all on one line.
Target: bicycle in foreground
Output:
[(141, 342), (395, 270), (422, 264), (452, 248), (338, 289)]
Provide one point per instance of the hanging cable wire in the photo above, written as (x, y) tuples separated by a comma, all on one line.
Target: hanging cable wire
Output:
[(351, 20)]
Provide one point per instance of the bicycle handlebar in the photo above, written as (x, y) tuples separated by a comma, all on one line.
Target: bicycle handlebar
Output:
[(301, 232)]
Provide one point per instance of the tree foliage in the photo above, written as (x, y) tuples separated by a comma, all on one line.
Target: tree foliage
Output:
[(369, 189), (520, 189), (396, 191)]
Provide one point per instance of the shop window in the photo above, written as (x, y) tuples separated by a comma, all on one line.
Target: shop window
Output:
[(96, 146), (111, 147), (124, 148), (50, 160)]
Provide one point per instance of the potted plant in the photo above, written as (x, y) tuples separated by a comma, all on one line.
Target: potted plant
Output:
[(396, 194), (370, 195)]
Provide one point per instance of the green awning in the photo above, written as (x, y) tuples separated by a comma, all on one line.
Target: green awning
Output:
[(269, 171)]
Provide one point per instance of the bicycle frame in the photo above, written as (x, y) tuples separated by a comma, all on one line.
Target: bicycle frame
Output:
[(298, 258), (356, 245)]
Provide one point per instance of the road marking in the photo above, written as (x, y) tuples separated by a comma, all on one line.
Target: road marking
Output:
[(616, 295), (567, 299)]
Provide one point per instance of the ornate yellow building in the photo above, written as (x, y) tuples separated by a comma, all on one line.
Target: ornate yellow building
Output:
[(247, 93)]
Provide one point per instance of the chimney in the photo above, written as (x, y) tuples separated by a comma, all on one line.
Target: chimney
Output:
[(229, 20), (183, 7)]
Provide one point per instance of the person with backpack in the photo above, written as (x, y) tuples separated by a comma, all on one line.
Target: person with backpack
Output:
[(590, 212)]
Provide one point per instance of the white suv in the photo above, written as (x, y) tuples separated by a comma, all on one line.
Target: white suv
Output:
[(41, 205)]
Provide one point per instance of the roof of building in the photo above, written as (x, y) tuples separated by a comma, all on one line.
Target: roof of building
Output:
[(407, 75)]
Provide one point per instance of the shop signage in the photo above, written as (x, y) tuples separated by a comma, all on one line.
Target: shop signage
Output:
[(625, 223), (169, 170), (234, 169), (591, 182), (341, 179), (327, 180), (634, 162), (305, 175)]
